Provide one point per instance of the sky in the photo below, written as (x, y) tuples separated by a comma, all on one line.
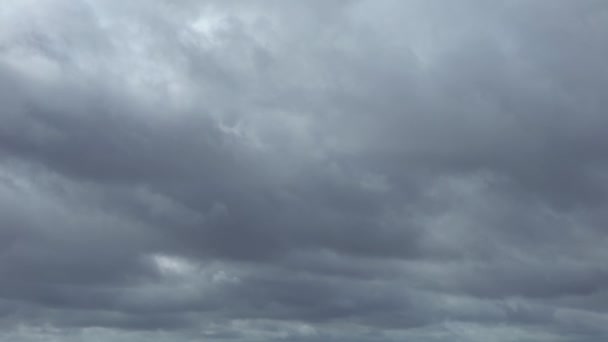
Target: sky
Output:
[(282, 170)]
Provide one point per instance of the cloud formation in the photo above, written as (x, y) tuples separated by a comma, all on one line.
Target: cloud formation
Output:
[(303, 170)]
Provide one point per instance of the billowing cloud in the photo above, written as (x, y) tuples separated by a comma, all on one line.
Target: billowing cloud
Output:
[(303, 170)]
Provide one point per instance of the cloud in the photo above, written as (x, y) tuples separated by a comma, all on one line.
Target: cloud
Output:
[(303, 171)]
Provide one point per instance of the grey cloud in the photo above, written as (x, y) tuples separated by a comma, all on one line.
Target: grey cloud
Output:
[(303, 171)]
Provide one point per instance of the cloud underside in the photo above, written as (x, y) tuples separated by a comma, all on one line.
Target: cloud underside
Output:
[(303, 171)]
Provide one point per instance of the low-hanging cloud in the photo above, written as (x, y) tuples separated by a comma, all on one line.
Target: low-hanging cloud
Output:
[(303, 171)]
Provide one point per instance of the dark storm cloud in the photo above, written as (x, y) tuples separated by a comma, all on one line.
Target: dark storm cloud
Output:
[(303, 171)]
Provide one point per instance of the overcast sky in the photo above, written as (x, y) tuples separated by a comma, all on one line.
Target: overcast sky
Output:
[(310, 171)]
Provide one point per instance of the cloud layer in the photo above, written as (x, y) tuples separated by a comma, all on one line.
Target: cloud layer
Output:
[(303, 170)]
